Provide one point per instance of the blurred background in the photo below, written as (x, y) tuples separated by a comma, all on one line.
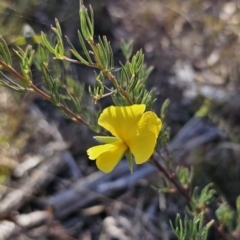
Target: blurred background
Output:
[(47, 182)]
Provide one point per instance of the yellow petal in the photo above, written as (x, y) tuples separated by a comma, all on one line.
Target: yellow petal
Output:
[(107, 155), (142, 139), (121, 120), (96, 151)]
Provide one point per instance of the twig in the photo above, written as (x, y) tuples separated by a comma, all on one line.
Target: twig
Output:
[(96, 187), (77, 62), (41, 176), (43, 94), (108, 74), (171, 177)]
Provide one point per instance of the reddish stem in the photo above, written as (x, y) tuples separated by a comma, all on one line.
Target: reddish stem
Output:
[(43, 94), (171, 177)]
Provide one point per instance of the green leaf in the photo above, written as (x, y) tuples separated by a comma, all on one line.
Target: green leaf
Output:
[(55, 95), (126, 48), (184, 175), (86, 52), (103, 139), (76, 54), (86, 23), (47, 43), (191, 228), (164, 109), (201, 199), (59, 47), (9, 83), (4, 52), (226, 216), (130, 161)]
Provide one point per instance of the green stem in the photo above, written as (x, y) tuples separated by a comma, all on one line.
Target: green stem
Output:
[(78, 62), (109, 75)]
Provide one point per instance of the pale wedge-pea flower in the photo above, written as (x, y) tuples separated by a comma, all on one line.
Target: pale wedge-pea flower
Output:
[(132, 129)]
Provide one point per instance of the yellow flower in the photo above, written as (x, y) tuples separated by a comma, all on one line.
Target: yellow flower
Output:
[(132, 129)]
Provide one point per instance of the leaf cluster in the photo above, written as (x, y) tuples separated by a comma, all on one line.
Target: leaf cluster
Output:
[(229, 218), (26, 58), (127, 83), (184, 176), (201, 199), (191, 229)]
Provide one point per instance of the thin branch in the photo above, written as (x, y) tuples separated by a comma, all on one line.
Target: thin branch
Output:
[(43, 94), (108, 74), (171, 177), (113, 79), (78, 62)]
